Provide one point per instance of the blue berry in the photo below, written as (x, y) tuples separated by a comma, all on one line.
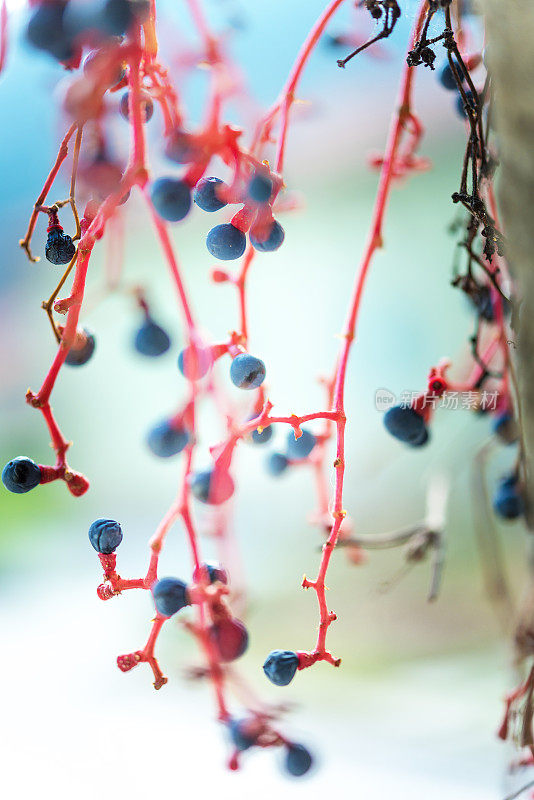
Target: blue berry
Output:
[(166, 440), (260, 438), (281, 666), (298, 760), (46, 31), (171, 198), (302, 447), (21, 475), (151, 340), (211, 487), (508, 502), (170, 595), (260, 188), (206, 194), (59, 246), (82, 349), (230, 638), (241, 736), (273, 240), (214, 571), (446, 77), (194, 362), (226, 242), (180, 147), (105, 535), (147, 106), (481, 299), (276, 464), (505, 427), (460, 103), (406, 425), (117, 16), (247, 372)]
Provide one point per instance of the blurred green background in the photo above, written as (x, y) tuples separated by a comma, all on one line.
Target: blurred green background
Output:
[(412, 711)]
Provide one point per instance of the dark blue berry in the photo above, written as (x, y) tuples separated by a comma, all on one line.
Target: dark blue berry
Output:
[(302, 447), (170, 595), (260, 188), (151, 340), (406, 425), (247, 372), (117, 16), (242, 737), (273, 240), (21, 475), (82, 349), (260, 438), (166, 440), (226, 242), (281, 666), (211, 487), (59, 247), (230, 638), (481, 299), (180, 147), (46, 31), (446, 77), (105, 535), (215, 572), (206, 194), (276, 464), (147, 106), (508, 502), (171, 198), (505, 427), (460, 103), (298, 760), (194, 362)]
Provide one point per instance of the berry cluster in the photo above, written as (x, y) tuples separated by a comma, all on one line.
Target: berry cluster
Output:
[(121, 73)]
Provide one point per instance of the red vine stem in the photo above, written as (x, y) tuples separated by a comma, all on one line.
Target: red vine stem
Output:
[(374, 242)]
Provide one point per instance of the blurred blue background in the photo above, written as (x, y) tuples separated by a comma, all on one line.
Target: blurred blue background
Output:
[(412, 711)]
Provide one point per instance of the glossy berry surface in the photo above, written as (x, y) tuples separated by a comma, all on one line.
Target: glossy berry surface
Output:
[(280, 666), (230, 637), (206, 194), (147, 106), (171, 198), (298, 760), (105, 535), (82, 349), (194, 362), (406, 425), (166, 440), (170, 595), (59, 247), (276, 464), (302, 447), (226, 242), (272, 242), (21, 474), (151, 340), (508, 502), (260, 188), (211, 487), (247, 372), (241, 737)]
